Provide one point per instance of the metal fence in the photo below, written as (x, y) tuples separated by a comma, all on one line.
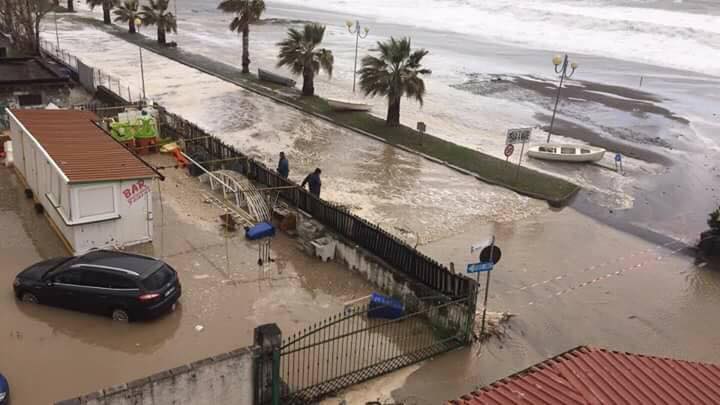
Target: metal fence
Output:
[(98, 77), (59, 54), (395, 252), (353, 347)]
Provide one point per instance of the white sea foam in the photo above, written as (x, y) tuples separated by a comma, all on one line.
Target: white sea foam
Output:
[(670, 38)]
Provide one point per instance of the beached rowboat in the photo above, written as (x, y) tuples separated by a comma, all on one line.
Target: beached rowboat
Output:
[(342, 105), (567, 153), (275, 78)]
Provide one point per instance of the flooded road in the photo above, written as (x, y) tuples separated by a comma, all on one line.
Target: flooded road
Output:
[(406, 194), (41, 343), (570, 280)]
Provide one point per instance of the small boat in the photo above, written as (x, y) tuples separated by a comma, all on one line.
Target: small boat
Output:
[(567, 153), (342, 105), (275, 78)]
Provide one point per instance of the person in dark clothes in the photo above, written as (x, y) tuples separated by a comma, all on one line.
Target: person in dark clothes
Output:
[(314, 183), (283, 166)]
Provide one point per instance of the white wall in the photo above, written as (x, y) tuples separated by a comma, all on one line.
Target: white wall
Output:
[(226, 379), (129, 199)]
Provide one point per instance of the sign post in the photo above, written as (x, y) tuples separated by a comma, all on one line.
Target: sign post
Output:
[(509, 149), (515, 136), (421, 128), (489, 257)]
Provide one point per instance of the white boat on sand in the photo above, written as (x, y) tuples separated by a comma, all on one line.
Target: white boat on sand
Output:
[(342, 105), (567, 153)]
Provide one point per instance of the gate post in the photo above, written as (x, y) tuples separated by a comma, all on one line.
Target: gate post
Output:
[(268, 338)]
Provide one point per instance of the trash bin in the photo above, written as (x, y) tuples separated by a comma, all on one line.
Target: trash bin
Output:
[(259, 231), (385, 307)]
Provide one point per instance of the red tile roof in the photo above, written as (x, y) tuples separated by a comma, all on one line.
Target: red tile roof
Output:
[(84, 152), (587, 375)]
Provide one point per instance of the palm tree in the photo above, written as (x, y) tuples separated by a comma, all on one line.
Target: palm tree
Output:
[(107, 5), (246, 13), (396, 73), (156, 14), (128, 12), (298, 51)]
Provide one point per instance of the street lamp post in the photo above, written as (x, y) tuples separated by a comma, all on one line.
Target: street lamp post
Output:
[(561, 65), (360, 32), (57, 35), (138, 23)]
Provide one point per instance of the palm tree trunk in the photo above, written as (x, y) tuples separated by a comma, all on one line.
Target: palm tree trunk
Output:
[(245, 50), (308, 89), (161, 36), (106, 13), (131, 26), (71, 5), (393, 115)]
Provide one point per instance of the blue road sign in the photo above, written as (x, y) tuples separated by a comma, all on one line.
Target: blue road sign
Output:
[(618, 157), (479, 267)]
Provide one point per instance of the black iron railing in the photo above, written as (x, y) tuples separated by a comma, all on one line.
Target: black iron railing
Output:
[(395, 252)]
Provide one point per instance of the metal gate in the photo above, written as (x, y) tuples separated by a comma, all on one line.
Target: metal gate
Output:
[(351, 347)]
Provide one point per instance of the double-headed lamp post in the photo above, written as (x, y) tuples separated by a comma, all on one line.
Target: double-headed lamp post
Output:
[(561, 67), (138, 23), (360, 32)]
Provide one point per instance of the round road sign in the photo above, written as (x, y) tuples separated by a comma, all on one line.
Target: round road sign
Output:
[(496, 254), (509, 149)]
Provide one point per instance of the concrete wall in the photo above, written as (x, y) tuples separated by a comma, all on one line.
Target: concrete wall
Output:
[(387, 279), (226, 379)]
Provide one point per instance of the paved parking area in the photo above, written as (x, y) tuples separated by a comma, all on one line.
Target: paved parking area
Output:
[(73, 353)]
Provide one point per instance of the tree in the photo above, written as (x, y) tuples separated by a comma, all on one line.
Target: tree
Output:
[(107, 6), (246, 13), (21, 20), (128, 12), (71, 5), (395, 73), (156, 14), (298, 52), (714, 220)]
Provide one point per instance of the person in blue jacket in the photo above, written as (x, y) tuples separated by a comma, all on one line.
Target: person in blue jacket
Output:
[(314, 183), (283, 166)]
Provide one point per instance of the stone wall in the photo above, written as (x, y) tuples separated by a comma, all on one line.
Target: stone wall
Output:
[(225, 379)]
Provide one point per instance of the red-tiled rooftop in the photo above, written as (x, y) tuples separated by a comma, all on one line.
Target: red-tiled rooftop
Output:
[(83, 151), (588, 375)]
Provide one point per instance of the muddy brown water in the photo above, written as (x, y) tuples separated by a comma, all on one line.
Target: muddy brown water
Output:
[(73, 353)]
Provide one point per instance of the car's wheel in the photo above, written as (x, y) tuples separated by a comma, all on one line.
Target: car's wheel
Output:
[(120, 315), (29, 298)]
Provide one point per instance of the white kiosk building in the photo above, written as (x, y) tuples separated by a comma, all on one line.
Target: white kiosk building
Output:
[(95, 193)]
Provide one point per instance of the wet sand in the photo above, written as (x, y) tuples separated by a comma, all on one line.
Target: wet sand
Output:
[(41, 343)]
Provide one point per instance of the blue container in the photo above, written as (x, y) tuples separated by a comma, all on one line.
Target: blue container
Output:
[(385, 307), (259, 231)]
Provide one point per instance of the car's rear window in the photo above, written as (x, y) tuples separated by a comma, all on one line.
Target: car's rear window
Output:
[(158, 279)]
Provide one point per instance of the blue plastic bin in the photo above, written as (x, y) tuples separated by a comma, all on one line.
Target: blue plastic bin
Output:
[(385, 307), (259, 231)]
